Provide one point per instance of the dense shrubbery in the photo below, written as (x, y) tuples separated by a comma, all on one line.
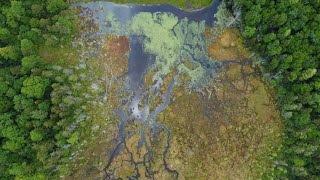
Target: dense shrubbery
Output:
[(287, 35), (31, 123)]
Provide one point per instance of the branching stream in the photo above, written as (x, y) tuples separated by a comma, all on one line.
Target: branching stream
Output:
[(133, 114)]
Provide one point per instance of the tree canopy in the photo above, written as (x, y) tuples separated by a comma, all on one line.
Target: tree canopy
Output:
[(287, 36)]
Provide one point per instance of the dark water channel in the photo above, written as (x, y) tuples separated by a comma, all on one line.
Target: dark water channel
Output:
[(138, 62)]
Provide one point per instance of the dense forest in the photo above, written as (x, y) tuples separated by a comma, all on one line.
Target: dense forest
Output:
[(287, 36), (33, 126)]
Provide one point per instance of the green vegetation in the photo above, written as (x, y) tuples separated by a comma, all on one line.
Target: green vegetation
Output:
[(42, 106), (287, 35), (26, 121)]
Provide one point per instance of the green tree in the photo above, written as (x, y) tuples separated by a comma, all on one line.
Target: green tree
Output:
[(18, 169), (269, 37), (307, 74), (15, 13), (36, 136), (274, 48), (54, 6), (21, 103), (14, 138), (30, 62), (249, 32), (37, 9), (253, 16), (284, 32), (9, 52), (27, 47), (3, 87), (280, 19), (5, 35), (5, 104), (35, 86)]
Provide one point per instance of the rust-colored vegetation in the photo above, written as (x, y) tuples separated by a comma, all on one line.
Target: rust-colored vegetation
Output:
[(232, 133), (228, 46), (115, 54)]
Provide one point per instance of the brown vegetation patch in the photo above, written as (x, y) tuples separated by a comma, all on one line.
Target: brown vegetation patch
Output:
[(225, 136), (233, 133), (115, 54), (228, 46)]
